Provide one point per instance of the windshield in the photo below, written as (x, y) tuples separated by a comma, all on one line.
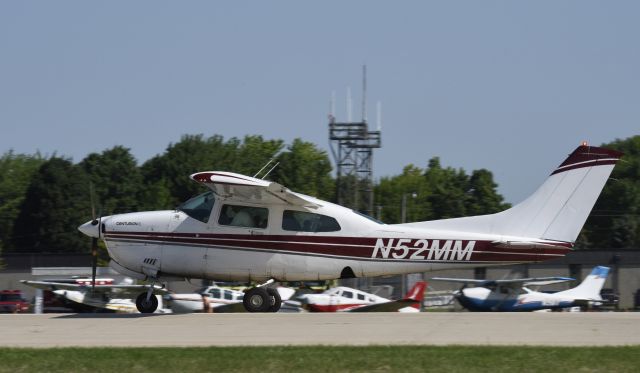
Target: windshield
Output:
[(368, 217), (198, 207)]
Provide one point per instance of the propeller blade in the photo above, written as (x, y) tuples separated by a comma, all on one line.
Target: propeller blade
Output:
[(94, 252), (94, 241), (94, 262)]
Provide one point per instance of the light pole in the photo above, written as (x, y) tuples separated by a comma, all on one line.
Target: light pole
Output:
[(403, 206), (403, 219)]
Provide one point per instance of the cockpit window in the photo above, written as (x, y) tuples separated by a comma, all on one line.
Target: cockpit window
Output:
[(244, 216), (199, 207), (301, 221)]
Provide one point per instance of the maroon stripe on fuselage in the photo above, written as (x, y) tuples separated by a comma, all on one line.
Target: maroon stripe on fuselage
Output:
[(265, 237), (351, 247), (331, 240)]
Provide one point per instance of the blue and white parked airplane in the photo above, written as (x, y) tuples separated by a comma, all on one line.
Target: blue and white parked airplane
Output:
[(515, 295)]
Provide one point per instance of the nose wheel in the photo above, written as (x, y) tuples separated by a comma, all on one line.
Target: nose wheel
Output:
[(260, 299), (146, 304)]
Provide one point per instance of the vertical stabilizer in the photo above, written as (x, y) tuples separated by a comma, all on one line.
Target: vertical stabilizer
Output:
[(416, 293), (591, 286), (557, 210)]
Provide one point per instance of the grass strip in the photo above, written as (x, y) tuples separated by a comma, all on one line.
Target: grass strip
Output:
[(323, 359)]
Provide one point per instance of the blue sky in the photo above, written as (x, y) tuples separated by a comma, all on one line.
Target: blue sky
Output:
[(508, 86)]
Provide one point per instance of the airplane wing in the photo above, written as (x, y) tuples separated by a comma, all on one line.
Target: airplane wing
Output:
[(460, 280), (121, 289), (393, 306), (230, 184), (547, 282), (413, 298), (516, 282)]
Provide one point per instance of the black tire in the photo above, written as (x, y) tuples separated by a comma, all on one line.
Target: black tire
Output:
[(275, 300), (146, 306), (256, 300)]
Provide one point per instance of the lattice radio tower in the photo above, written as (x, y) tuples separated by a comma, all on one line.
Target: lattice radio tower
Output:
[(352, 145)]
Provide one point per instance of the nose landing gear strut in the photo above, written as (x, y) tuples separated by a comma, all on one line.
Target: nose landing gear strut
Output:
[(147, 302)]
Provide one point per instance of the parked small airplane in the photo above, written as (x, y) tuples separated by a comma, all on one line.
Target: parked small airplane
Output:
[(346, 299), (249, 229), (515, 295), (104, 295), (218, 299)]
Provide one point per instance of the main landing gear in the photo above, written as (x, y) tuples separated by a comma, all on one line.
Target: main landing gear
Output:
[(262, 299), (147, 302)]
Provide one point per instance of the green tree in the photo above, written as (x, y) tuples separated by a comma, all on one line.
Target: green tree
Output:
[(116, 180), (16, 171), (482, 197), (56, 203), (305, 169), (195, 153), (437, 193), (413, 186), (615, 219), (253, 153), (448, 190)]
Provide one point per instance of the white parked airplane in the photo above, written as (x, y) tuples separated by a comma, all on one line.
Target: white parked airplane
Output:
[(515, 295), (248, 229), (104, 295), (219, 299), (346, 299)]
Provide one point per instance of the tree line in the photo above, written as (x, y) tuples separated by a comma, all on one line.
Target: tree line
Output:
[(43, 199)]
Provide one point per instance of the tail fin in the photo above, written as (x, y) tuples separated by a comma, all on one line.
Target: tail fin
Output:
[(557, 210), (590, 287), (416, 293)]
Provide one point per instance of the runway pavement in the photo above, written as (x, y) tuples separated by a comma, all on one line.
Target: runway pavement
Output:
[(549, 329)]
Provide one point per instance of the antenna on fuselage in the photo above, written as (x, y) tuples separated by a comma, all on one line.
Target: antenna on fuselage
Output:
[(265, 166)]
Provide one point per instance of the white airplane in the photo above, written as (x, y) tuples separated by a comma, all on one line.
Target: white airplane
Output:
[(515, 295), (104, 295), (249, 229), (219, 299), (346, 299)]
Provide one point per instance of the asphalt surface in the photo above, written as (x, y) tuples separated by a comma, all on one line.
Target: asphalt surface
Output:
[(549, 329)]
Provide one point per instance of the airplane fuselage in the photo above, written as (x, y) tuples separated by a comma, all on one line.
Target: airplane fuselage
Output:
[(250, 229), (482, 299), (174, 244)]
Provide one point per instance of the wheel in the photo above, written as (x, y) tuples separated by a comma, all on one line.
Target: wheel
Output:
[(275, 300), (256, 300), (146, 306)]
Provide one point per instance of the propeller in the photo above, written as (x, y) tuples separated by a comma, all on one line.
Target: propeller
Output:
[(94, 252), (94, 240)]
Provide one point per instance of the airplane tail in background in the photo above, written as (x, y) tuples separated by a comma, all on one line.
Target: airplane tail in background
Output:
[(590, 287), (557, 210), (416, 293)]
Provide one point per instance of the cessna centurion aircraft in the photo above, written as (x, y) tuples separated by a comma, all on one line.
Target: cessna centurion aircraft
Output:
[(249, 229)]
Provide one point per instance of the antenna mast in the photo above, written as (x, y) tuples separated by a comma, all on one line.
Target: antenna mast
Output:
[(352, 145), (364, 93)]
